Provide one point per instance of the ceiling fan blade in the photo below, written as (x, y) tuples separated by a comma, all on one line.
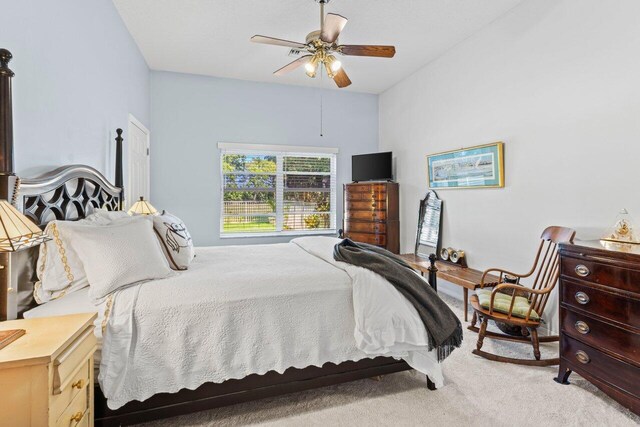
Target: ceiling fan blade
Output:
[(333, 25), (368, 50), (277, 42), (292, 65), (341, 78)]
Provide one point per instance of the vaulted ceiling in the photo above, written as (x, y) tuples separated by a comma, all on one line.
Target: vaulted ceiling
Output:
[(211, 37)]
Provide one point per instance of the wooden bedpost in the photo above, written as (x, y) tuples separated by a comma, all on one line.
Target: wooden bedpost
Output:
[(7, 174), (6, 117), (119, 179), (433, 272)]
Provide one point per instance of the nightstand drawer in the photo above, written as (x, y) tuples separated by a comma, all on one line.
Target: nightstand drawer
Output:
[(78, 384), (66, 364), (77, 413)]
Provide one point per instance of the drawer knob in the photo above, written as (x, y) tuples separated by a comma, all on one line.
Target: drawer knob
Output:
[(582, 270), (582, 327), (582, 357), (582, 298), (78, 384), (77, 417)]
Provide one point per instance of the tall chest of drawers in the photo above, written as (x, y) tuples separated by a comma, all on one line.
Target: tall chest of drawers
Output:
[(371, 214), (600, 317)]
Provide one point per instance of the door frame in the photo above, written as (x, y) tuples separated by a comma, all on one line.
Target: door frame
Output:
[(129, 197)]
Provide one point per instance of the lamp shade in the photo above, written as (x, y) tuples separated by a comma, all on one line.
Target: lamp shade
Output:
[(142, 207), (17, 232)]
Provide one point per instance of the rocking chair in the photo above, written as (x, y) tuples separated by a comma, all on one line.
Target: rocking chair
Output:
[(517, 306)]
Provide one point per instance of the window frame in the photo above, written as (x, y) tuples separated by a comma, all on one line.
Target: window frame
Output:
[(280, 152)]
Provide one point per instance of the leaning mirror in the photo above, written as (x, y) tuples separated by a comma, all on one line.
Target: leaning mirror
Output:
[(429, 225)]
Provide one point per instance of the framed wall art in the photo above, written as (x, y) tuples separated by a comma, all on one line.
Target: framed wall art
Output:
[(481, 166)]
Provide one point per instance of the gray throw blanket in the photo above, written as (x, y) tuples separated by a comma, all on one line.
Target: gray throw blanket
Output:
[(445, 330)]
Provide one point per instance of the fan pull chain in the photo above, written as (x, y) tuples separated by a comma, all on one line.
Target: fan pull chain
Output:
[(321, 90)]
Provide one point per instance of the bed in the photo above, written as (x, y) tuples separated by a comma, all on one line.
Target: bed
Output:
[(71, 192)]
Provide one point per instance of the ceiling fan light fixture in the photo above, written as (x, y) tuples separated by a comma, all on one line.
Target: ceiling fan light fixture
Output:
[(334, 64), (311, 66), (321, 45)]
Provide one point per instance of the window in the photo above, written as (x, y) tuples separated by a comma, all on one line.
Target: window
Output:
[(273, 190)]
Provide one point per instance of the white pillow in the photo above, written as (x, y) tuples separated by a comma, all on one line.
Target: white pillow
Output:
[(124, 253), (105, 217), (175, 240), (59, 270)]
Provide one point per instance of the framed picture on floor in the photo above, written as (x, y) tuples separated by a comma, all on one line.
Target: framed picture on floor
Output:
[(481, 166)]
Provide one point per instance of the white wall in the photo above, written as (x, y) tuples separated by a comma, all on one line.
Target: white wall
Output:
[(558, 82), (78, 76), (191, 114)]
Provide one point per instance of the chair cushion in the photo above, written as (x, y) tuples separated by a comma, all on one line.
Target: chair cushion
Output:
[(502, 302)]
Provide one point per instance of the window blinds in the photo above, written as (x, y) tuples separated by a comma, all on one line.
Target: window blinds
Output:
[(271, 190)]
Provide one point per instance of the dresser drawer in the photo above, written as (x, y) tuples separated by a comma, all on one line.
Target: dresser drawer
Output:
[(602, 274), (77, 413), (367, 215), (612, 339), (597, 364), (365, 227), (599, 302), (367, 187), (373, 239), (366, 205), (78, 384), (368, 195), (66, 364)]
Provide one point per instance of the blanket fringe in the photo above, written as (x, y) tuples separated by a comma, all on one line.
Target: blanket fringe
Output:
[(454, 341)]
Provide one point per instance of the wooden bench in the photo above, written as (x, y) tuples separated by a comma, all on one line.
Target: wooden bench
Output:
[(467, 278)]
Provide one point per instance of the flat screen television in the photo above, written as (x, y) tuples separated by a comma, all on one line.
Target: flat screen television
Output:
[(371, 167)]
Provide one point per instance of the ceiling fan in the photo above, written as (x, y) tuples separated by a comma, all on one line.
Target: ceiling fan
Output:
[(322, 45)]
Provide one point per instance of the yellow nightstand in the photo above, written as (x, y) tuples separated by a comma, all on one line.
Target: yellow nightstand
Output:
[(46, 376)]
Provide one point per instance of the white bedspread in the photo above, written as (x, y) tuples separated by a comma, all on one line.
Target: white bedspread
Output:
[(243, 310)]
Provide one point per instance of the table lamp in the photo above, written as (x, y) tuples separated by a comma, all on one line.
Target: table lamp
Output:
[(17, 232), (142, 207)]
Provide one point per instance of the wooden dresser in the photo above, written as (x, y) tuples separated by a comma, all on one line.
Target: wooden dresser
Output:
[(600, 318), (371, 214), (47, 374)]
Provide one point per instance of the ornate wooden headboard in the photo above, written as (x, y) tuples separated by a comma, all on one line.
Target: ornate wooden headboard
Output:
[(66, 193)]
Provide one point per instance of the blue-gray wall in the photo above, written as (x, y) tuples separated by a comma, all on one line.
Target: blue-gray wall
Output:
[(191, 114), (78, 76)]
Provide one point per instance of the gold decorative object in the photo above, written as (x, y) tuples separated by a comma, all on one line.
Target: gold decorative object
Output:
[(142, 207), (17, 232), (454, 256), (623, 231), (445, 253), (457, 256)]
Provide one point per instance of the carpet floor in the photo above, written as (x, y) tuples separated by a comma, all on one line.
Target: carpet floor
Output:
[(477, 392)]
